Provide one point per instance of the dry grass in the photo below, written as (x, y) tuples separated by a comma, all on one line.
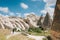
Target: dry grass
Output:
[(19, 37), (5, 32)]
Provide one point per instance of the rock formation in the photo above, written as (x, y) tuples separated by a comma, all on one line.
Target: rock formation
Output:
[(12, 22), (32, 19), (20, 23), (39, 23), (47, 22), (55, 29)]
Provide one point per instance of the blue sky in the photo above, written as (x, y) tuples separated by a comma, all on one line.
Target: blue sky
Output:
[(23, 7)]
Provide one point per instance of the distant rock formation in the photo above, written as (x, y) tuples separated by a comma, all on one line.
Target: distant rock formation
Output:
[(39, 22), (55, 29), (31, 20), (47, 22), (12, 22)]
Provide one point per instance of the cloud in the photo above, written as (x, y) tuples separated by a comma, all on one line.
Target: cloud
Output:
[(4, 9), (28, 13), (48, 10), (3, 15), (48, 7), (11, 14), (50, 2), (6, 15), (43, 11), (24, 6), (35, 0), (18, 14)]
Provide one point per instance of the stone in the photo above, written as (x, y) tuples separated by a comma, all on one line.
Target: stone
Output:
[(55, 29), (47, 22)]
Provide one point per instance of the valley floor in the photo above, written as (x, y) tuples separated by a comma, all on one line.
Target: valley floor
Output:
[(5, 34)]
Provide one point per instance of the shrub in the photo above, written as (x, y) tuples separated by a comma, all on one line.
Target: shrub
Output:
[(38, 30)]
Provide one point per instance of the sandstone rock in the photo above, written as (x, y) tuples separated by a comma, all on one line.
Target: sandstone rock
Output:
[(47, 22), (12, 22), (55, 30), (31, 20)]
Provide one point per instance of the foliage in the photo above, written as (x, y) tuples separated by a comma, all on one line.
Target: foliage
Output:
[(37, 30)]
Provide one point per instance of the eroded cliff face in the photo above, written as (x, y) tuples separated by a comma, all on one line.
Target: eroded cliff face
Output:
[(32, 20), (12, 22), (55, 33), (47, 22)]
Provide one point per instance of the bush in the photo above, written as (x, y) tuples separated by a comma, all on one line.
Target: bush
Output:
[(38, 30)]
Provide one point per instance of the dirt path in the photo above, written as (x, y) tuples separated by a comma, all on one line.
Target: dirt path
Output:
[(29, 36), (36, 37)]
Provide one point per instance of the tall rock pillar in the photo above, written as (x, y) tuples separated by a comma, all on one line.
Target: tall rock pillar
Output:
[(55, 29)]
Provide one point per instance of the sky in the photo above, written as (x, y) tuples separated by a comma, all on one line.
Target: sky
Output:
[(21, 8)]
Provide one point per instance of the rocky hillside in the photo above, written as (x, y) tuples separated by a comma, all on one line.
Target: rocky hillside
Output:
[(18, 22), (12, 22)]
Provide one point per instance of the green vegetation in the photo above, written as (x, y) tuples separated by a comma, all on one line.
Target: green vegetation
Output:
[(32, 31), (38, 32)]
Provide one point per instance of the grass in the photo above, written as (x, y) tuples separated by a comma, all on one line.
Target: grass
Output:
[(38, 32), (5, 32), (20, 37)]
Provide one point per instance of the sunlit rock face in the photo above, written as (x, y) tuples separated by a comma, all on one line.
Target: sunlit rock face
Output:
[(13, 22), (31, 20), (25, 23), (38, 21), (55, 33)]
